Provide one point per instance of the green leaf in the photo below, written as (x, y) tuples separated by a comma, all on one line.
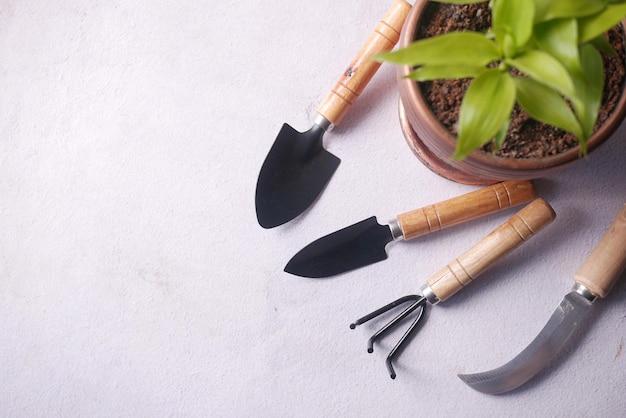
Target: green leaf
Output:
[(508, 45), (589, 87), (485, 108), (501, 135), (545, 69), (559, 38), (456, 48), (546, 105), (515, 19), (439, 72), (554, 9), (593, 26), (541, 10), (603, 45)]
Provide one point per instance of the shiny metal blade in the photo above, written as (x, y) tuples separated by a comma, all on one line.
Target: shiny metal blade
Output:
[(349, 248), (567, 316)]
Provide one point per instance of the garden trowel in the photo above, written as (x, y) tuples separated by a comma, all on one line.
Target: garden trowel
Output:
[(594, 279), (297, 167), (365, 242)]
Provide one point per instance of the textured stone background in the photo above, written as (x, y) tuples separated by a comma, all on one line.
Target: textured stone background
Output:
[(135, 281)]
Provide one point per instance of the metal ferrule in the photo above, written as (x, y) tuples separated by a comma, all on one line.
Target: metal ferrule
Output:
[(584, 292), (324, 123), (430, 295), (396, 230)]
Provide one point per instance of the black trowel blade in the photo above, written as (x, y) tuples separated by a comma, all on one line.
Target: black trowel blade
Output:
[(295, 171), (349, 248)]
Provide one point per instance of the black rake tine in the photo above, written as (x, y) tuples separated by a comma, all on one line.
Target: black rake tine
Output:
[(384, 309), (398, 348), (415, 305)]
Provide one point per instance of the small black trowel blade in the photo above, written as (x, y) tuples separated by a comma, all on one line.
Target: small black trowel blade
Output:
[(295, 171), (356, 246)]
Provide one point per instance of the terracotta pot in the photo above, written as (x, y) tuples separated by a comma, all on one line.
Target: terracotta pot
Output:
[(434, 145)]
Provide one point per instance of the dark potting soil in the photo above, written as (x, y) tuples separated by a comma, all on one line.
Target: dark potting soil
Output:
[(526, 138)]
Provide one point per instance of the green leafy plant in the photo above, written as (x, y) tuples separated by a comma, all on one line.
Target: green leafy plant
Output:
[(554, 44)]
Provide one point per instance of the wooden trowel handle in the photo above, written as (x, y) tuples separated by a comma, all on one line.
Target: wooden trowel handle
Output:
[(607, 261), (362, 68), (465, 207), (517, 230)]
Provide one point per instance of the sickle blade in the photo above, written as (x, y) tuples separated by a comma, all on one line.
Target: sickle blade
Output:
[(565, 319)]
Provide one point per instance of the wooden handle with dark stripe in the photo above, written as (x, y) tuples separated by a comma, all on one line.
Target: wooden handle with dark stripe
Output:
[(465, 208), (362, 68), (508, 236)]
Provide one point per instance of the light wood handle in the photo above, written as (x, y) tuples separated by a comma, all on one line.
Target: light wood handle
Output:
[(517, 230), (607, 261), (465, 207), (362, 68)]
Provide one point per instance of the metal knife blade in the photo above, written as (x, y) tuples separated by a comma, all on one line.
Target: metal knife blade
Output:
[(595, 279), (567, 316)]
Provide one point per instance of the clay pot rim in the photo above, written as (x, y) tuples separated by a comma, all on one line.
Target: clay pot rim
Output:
[(412, 96)]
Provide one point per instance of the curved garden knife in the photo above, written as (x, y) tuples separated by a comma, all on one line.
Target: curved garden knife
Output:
[(594, 279), (364, 242), (297, 166)]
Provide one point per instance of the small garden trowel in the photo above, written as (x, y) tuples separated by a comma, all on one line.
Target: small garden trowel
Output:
[(297, 167), (594, 279), (364, 243)]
